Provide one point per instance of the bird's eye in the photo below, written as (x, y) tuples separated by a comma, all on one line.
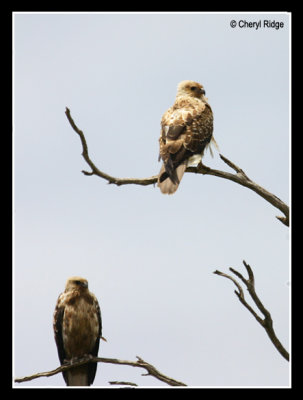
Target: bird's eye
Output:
[(193, 88), (77, 282)]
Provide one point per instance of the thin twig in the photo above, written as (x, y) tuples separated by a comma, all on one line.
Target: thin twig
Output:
[(140, 363), (122, 383), (265, 322), (240, 177)]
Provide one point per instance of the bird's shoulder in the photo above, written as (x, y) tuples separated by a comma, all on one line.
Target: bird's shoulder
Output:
[(183, 111)]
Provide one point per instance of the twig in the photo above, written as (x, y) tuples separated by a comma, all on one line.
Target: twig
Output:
[(140, 363), (122, 383), (265, 322), (240, 177)]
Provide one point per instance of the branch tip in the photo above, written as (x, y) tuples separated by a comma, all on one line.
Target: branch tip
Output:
[(87, 173), (267, 322)]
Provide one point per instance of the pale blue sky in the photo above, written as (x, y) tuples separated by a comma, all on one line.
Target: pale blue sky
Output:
[(149, 258)]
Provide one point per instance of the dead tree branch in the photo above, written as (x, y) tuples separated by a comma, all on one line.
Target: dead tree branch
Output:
[(122, 383), (240, 177), (140, 363), (96, 171), (265, 322)]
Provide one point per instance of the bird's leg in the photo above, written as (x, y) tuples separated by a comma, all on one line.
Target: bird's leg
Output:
[(84, 357), (77, 359), (73, 360)]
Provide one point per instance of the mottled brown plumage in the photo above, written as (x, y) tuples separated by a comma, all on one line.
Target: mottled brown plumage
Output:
[(186, 130), (78, 328)]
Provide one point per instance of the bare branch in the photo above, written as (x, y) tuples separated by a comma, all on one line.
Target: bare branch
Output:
[(234, 167), (140, 363), (96, 171), (240, 290), (122, 383), (240, 177), (265, 322)]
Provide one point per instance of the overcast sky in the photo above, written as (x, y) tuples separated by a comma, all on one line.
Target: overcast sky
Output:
[(150, 258)]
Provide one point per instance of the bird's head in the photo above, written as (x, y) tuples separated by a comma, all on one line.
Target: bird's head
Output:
[(76, 283), (191, 88)]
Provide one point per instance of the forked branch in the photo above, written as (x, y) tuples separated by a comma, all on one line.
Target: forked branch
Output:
[(266, 322)]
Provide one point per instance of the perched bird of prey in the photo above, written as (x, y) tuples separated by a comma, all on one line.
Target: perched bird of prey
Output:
[(77, 327), (186, 130)]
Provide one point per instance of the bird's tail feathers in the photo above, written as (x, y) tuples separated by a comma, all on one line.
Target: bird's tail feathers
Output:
[(77, 376), (170, 171), (166, 184)]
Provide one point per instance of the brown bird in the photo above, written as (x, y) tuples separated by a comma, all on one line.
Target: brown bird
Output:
[(186, 131), (78, 328)]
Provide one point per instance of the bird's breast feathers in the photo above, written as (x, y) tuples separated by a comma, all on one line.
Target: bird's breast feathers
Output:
[(80, 325)]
